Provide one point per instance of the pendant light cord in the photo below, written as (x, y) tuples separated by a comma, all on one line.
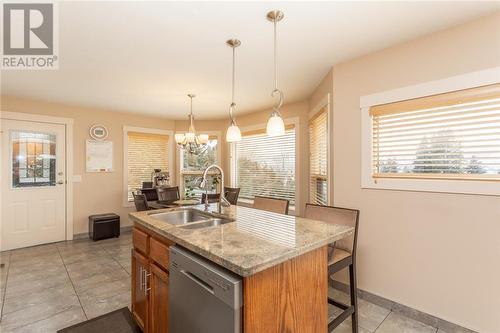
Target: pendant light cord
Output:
[(233, 104), (275, 62), (276, 90), (191, 122), (232, 93)]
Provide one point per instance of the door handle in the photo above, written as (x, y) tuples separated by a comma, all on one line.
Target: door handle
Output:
[(198, 281), (141, 278), (60, 182), (146, 275)]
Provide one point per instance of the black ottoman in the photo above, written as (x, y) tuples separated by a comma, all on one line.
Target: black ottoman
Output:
[(102, 226)]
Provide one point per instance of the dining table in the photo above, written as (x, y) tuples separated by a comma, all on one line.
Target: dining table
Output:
[(160, 204)]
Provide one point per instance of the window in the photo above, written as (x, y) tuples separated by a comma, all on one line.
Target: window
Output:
[(265, 165), (145, 151), (453, 135), (33, 159), (318, 158), (192, 167)]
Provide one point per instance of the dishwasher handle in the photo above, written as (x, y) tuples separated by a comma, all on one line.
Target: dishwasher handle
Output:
[(198, 281)]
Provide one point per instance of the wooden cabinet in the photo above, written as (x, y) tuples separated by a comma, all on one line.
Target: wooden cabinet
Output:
[(158, 320), (150, 281), (140, 302)]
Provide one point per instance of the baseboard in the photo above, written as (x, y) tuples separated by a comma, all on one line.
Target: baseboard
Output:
[(84, 235), (403, 309)]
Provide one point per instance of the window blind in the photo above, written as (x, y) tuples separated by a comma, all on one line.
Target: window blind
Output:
[(145, 153), (318, 158), (447, 136), (265, 165)]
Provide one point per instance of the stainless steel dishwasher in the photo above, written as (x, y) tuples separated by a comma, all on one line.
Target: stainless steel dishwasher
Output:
[(203, 297)]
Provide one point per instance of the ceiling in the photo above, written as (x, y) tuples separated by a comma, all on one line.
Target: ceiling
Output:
[(144, 57)]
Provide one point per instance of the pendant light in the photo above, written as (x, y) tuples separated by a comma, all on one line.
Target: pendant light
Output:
[(233, 133), (275, 125), (194, 144)]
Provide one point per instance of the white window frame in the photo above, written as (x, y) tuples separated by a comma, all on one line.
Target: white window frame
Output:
[(171, 147), (180, 160), (325, 102), (293, 210), (460, 82)]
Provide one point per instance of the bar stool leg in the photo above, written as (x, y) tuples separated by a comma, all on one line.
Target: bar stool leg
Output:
[(354, 297)]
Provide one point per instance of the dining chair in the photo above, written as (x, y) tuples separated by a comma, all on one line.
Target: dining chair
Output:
[(271, 204), (150, 193), (341, 254), (140, 201), (147, 184), (232, 194), (212, 197), (168, 193)]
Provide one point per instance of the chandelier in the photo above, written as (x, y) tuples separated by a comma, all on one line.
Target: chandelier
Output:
[(189, 141)]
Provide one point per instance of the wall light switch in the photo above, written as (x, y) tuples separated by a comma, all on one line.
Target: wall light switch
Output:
[(77, 178)]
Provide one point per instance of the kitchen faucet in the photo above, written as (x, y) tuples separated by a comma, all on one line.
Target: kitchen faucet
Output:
[(222, 199)]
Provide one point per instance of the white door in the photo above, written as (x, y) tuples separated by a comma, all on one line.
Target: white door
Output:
[(33, 184)]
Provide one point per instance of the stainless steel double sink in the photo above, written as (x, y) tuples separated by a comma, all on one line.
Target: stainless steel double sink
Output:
[(189, 218)]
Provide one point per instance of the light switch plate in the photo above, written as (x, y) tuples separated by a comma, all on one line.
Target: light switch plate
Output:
[(77, 178)]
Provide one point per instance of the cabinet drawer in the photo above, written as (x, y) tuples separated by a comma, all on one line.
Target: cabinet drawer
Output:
[(140, 240), (159, 253)]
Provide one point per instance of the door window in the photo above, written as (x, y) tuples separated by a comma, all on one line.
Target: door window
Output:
[(33, 159)]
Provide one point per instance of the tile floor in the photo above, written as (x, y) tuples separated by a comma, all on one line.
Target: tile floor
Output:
[(49, 287)]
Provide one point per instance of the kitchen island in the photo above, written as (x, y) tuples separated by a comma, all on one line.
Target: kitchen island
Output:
[(282, 260)]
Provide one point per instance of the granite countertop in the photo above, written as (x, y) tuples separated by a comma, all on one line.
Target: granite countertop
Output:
[(256, 240)]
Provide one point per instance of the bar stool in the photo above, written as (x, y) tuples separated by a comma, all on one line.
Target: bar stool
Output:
[(341, 254), (271, 204)]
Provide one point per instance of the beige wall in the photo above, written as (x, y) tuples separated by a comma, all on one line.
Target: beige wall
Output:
[(324, 88), (316, 100), (438, 253), (98, 192)]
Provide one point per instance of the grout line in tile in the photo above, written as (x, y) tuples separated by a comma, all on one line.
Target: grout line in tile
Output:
[(55, 314), (72, 284), (109, 255), (382, 321), (5, 287)]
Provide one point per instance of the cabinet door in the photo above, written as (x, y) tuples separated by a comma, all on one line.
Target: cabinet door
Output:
[(139, 290), (158, 300)]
